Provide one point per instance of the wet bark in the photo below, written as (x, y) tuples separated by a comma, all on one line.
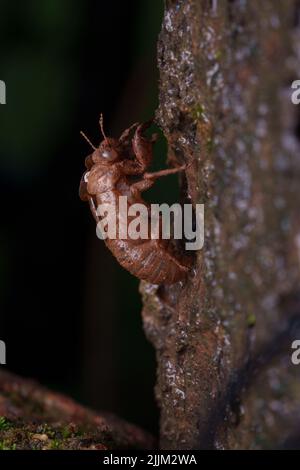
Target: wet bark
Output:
[(223, 338)]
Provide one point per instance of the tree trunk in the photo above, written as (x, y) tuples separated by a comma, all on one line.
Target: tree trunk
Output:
[(223, 339)]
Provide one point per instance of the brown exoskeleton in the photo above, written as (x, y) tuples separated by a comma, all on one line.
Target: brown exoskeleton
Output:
[(118, 168)]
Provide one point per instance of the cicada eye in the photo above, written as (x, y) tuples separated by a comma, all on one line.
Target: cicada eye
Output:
[(106, 154), (109, 154)]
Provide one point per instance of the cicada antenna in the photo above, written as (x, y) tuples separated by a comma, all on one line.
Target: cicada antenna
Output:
[(101, 126), (88, 140)]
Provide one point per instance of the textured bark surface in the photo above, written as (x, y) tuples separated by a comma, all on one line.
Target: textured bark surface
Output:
[(223, 339), (34, 418)]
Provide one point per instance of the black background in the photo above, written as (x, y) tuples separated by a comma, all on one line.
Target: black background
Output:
[(70, 316)]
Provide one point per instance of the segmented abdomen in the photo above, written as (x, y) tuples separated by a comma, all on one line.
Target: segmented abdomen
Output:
[(149, 260)]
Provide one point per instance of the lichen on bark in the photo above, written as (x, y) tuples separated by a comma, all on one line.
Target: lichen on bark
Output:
[(225, 379)]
